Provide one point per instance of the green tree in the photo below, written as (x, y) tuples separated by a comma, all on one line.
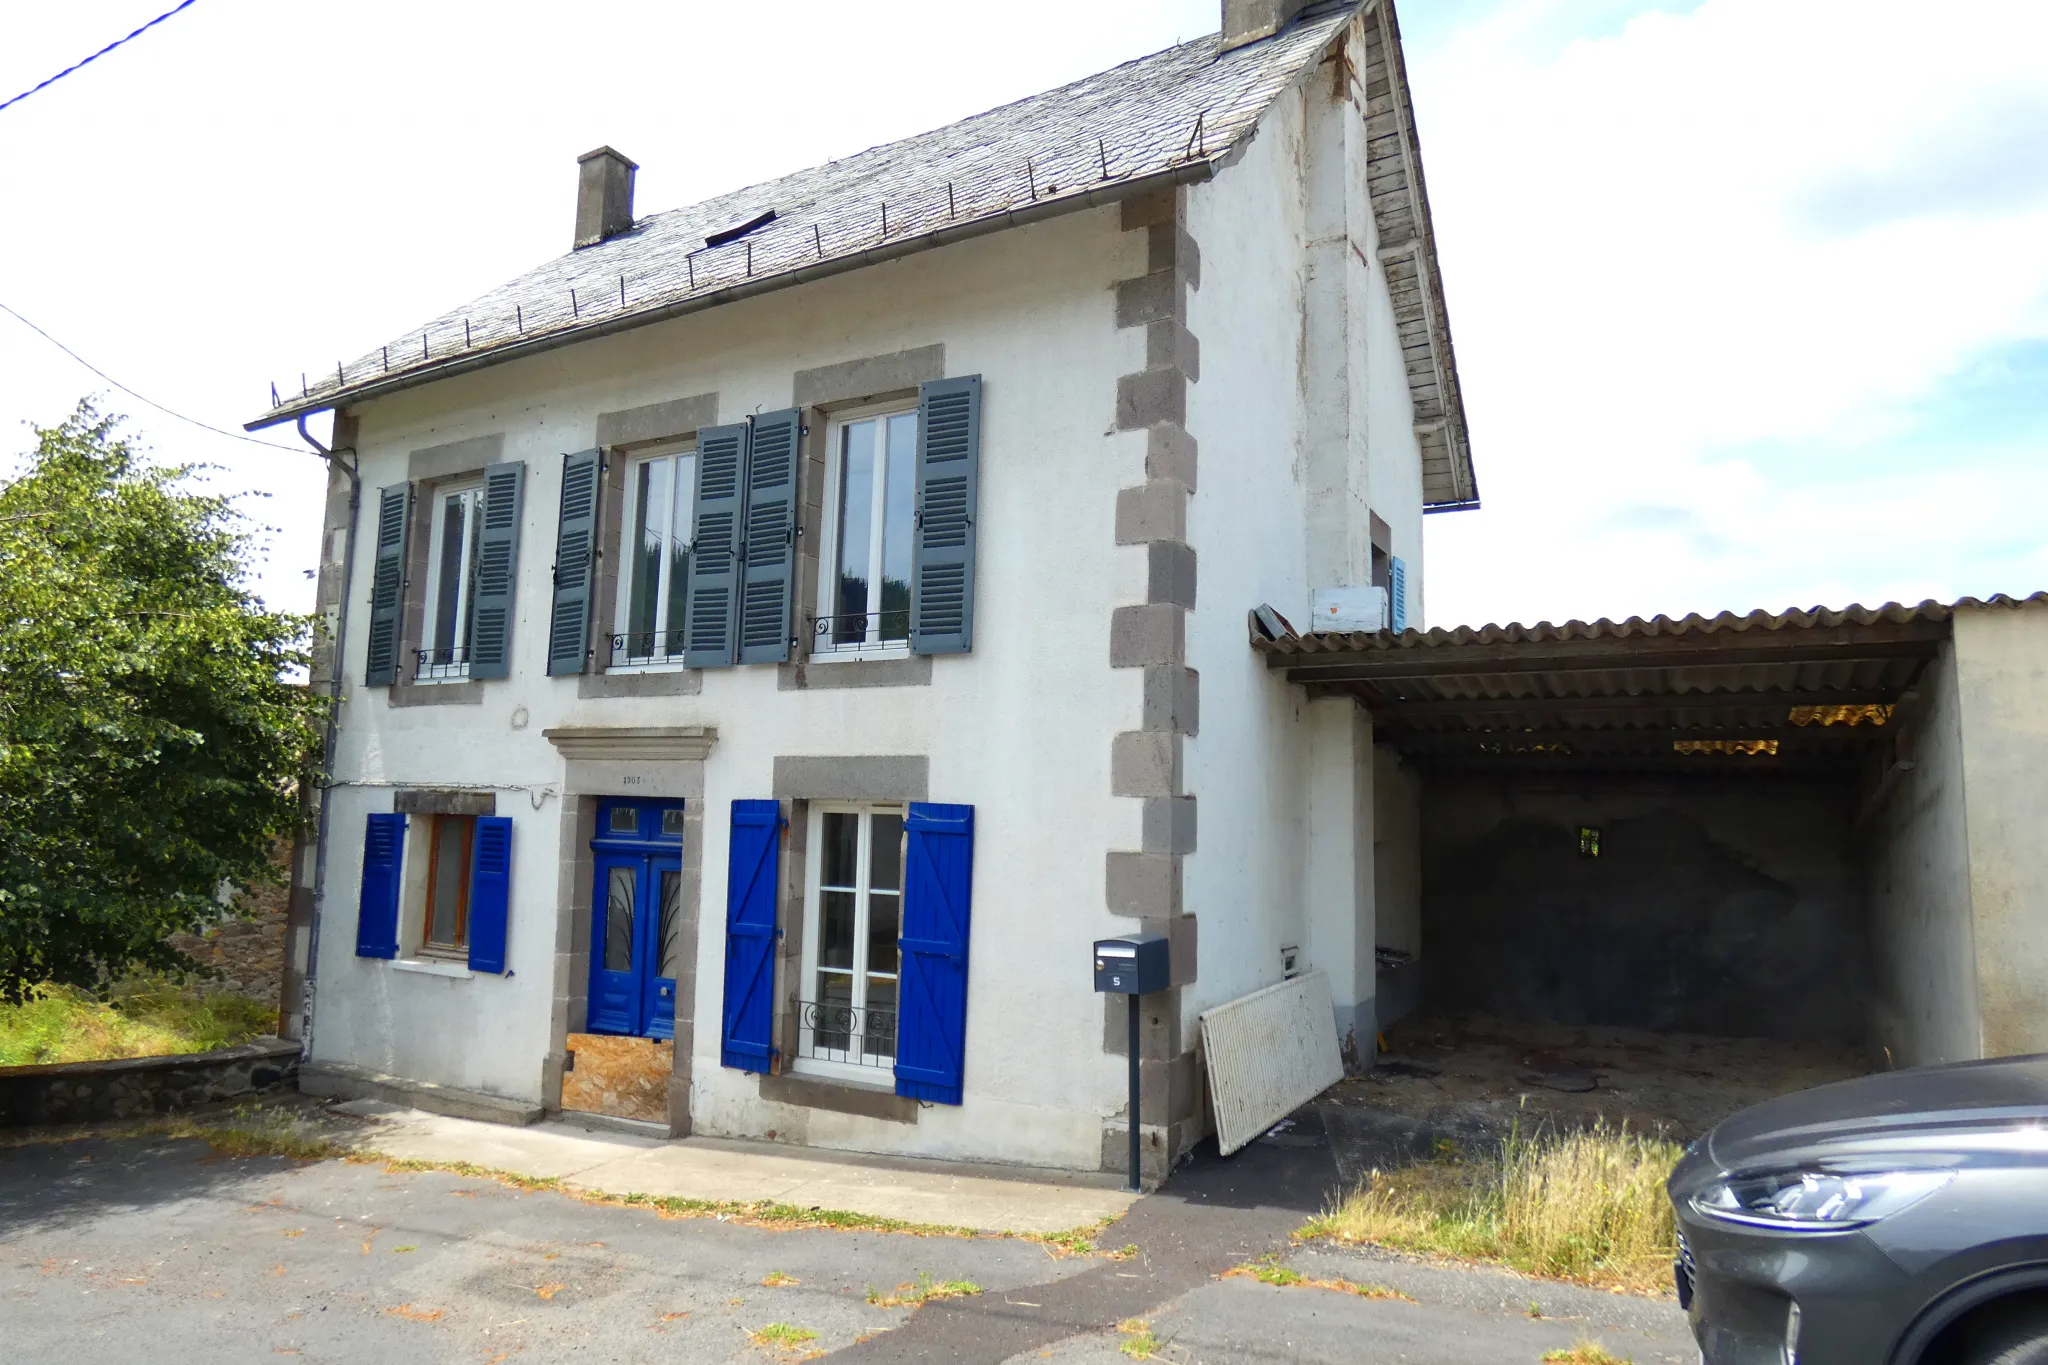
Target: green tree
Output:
[(150, 734)]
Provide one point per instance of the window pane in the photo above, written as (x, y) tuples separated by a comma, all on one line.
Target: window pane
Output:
[(672, 823), (881, 936), (649, 550), (449, 890), (898, 497), (831, 1016), (835, 929), (837, 860), (671, 924), (885, 862), (448, 579), (620, 890), (878, 1033), (625, 820), (856, 519), (679, 535)]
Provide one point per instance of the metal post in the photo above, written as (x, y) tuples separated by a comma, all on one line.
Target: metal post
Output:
[(1134, 1093)]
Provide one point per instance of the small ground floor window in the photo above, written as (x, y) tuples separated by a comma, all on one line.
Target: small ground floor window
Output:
[(852, 918), (451, 842)]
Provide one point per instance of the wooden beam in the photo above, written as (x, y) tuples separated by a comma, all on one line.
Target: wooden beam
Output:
[(1818, 645)]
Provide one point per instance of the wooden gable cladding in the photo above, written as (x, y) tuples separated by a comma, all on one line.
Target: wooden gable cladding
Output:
[(1407, 252)]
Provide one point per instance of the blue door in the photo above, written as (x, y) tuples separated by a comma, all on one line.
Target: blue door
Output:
[(636, 921)]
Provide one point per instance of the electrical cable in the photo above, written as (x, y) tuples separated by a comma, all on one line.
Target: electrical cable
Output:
[(194, 421), (101, 53)]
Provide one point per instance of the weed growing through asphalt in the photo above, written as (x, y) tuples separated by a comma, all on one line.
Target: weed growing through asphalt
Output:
[(921, 1291), (1586, 1353), (1267, 1270), (1139, 1343), (1585, 1205), (776, 1279), (783, 1336)]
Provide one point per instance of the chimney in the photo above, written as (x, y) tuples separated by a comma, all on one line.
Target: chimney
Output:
[(604, 196), (1247, 21)]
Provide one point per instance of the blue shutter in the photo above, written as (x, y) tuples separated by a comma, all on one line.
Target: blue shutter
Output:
[(942, 546), (497, 571), (490, 893), (387, 582), (1397, 594), (377, 913), (745, 1039), (768, 571), (715, 548), (575, 562), (931, 1027)]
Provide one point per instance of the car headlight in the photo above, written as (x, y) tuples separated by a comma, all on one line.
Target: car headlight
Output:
[(1817, 1201)]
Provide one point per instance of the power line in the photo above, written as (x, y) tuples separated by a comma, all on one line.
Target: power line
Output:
[(187, 4), (194, 421)]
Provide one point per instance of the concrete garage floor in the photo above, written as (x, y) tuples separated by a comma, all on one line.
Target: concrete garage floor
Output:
[(118, 1249)]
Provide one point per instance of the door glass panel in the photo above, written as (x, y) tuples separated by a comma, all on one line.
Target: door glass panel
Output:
[(624, 820), (671, 924), (899, 484), (856, 518), (672, 823), (620, 887)]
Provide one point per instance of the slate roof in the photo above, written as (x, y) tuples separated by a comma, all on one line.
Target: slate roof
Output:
[(1173, 117)]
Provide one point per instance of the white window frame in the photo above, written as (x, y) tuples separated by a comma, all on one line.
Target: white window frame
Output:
[(684, 455), (823, 649), (877, 1073), (424, 670)]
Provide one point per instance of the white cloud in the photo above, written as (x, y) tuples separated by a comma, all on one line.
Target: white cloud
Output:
[(1757, 221)]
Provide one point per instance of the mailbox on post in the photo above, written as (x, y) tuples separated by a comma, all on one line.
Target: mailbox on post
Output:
[(1131, 966), (1137, 965)]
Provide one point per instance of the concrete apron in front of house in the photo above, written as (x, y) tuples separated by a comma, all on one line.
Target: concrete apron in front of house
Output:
[(948, 1194)]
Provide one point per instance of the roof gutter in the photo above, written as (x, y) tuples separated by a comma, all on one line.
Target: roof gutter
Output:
[(1187, 173)]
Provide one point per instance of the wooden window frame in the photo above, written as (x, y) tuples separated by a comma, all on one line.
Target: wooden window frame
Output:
[(437, 824)]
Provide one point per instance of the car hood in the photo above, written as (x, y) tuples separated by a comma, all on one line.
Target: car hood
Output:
[(1924, 1107)]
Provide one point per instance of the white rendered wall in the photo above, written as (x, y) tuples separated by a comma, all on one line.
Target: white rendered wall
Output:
[(1019, 729)]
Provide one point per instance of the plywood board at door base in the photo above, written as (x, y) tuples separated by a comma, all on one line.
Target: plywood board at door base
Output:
[(1268, 1054), (625, 1078)]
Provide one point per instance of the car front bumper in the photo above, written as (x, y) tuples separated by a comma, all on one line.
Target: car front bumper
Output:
[(1739, 1285)]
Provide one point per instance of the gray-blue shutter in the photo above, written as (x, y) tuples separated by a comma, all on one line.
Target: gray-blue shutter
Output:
[(942, 550), (387, 584), (715, 549), (497, 571), (768, 569), (575, 562), (1397, 594)]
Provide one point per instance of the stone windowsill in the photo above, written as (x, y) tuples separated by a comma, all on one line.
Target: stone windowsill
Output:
[(453, 968)]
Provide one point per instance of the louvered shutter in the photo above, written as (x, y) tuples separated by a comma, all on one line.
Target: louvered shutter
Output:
[(377, 910), (942, 550), (575, 562), (714, 553), (497, 571), (1397, 594), (931, 1026), (387, 584), (490, 893), (746, 1037), (768, 573)]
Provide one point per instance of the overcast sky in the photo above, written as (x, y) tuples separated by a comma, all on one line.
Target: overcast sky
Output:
[(1750, 297)]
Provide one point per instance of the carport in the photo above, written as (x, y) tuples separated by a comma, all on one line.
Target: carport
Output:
[(1748, 826)]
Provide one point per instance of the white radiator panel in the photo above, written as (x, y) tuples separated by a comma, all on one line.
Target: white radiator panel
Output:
[(1268, 1054)]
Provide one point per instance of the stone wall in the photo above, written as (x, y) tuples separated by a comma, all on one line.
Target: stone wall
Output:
[(249, 953), (136, 1087)]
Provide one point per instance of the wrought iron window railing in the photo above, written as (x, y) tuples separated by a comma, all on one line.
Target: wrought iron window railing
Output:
[(851, 630), (829, 1032), (646, 647), (449, 661)]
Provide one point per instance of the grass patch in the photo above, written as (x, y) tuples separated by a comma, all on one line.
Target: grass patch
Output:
[(1585, 1205), (1139, 1343), (782, 1336), (1269, 1271), (921, 1291), (1587, 1353), (251, 1131), (776, 1279), (139, 1018)]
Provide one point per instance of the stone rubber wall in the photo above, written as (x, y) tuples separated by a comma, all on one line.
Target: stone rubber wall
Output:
[(138, 1087)]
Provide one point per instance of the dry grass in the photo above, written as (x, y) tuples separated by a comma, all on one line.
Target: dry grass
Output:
[(1585, 1205), (1270, 1272), (921, 1291), (1586, 1353), (138, 1019), (1139, 1343), (785, 1337)]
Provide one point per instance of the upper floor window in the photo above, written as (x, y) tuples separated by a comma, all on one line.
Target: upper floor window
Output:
[(451, 584), (654, 577), (864, 564)]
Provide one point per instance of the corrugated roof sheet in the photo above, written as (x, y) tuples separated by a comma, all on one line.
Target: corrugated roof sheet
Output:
[(1177, 114)]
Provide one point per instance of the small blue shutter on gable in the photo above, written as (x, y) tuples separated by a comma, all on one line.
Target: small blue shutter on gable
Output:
[(714, 555), (1397, 593), (575, 562), (377, 912), (490, 893), (931, 1026), (752, 876), (497, 571), (942, 545)]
